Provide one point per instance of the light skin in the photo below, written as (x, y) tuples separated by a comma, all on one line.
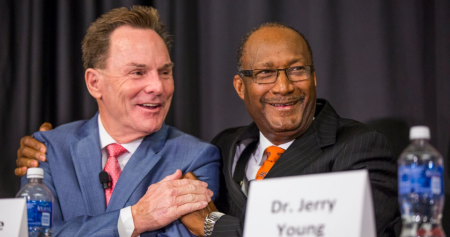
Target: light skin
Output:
[(283, 110), (135, 89), (133, 93)]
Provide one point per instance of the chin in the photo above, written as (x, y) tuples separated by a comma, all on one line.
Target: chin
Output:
[(150, 127)]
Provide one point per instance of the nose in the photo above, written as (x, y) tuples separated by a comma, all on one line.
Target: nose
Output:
[(282, 85), (153, 83)]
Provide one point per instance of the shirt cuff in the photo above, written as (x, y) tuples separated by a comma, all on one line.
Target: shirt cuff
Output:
[(125, 224)]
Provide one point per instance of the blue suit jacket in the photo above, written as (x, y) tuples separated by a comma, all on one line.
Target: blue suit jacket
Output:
[(74, 162)]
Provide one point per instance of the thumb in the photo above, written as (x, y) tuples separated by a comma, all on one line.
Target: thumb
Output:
[(174, 176), (45, 127)]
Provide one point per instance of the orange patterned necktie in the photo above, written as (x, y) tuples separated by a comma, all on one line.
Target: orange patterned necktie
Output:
[(112, 167), (273, 153)]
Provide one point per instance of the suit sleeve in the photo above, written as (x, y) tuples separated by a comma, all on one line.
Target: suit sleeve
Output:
[(371, 151), (227, 225), (100, 225), (206, 167)]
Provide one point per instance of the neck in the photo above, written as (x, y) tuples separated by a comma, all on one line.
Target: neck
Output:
[(279, 138), (120, 135)]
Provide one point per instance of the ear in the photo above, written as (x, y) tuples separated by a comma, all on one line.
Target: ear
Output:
[(239, 86), (92, 78), (315, 81)]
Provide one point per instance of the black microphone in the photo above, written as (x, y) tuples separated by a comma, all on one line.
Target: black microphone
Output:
[(104, 179)]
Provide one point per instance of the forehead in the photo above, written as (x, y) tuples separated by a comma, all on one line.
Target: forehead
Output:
[(133, 44), (275, 46)]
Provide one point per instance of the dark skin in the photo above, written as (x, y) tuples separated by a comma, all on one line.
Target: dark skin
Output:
[(195, 221), (283, 110), (30, 151)]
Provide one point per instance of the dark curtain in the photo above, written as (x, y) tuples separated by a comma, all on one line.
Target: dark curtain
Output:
[(385, 63)]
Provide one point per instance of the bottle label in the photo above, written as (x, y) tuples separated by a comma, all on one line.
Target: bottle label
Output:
[(420, 179), (39, 213)]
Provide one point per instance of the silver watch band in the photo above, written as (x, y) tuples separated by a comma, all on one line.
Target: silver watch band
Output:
[(210, 221)]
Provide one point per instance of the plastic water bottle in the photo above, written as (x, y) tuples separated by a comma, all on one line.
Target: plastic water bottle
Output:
[(421, 189), (39, 204)]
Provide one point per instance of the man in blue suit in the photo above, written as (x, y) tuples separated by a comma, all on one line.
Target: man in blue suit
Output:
[(129, 73)]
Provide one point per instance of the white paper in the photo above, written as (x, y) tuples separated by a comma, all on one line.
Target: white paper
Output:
[(330, 205), (13, 217)]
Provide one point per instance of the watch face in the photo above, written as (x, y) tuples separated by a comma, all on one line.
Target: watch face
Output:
[(216, 215)]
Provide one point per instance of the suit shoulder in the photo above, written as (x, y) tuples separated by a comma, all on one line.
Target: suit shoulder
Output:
[(186, 139), (226, 134), (349, 128), (61, 132), (353, 127)]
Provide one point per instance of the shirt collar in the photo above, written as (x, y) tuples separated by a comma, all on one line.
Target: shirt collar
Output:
[(264, 143), (106, 139)]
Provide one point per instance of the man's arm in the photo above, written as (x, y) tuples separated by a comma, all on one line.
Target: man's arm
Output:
[(371, 150), (30, 152), (227, 225)]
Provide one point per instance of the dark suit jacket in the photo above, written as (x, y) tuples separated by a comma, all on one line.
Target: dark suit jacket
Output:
[(330, 144)]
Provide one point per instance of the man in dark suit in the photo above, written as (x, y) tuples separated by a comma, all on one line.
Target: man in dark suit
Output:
[(277, 83)]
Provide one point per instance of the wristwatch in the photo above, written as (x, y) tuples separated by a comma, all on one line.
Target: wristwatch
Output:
[(210, 221)]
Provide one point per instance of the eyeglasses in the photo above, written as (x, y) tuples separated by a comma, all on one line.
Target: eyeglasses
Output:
[(266, 76)]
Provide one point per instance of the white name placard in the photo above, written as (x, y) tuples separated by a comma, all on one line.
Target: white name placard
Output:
[(13, 217), (332, 204)]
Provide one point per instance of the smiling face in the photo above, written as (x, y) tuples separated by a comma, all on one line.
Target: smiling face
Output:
[(282, 110), (135, 89)]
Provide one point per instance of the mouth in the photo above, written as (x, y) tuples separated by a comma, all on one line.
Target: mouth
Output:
[(150, 106), (283, 104)]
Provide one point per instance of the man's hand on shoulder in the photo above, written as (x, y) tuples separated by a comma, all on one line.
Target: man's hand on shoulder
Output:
[(168, 200), (195, 221), (30, 151)]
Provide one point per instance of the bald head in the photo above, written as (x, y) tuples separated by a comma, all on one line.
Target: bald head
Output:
[(264, 33)]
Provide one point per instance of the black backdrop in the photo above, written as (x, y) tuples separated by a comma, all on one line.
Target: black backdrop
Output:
[(386, 63)]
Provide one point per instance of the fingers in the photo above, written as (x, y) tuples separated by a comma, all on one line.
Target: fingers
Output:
[(183, 182), (192, 198), (21, 171), (33, 143), (28, 152), (197, 187), (45, 127), (26, 162), (190, 207), (174, 176)]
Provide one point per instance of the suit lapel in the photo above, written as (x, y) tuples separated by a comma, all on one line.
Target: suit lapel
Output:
[(138, 167), (234, 189), (298, 156), (306, 148), (86, 157)]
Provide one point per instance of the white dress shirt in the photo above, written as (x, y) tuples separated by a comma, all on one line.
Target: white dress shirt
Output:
[(125, 224), (257, 158)]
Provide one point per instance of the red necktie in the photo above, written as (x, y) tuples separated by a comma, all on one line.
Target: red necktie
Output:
[(273, 153), (112, 167)]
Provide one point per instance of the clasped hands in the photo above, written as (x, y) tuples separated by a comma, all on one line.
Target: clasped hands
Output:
[(187, 199), (175, 197)]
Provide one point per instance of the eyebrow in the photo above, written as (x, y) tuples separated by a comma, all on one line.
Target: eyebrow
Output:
[(270, 64), (167, 65), (137, 65)]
